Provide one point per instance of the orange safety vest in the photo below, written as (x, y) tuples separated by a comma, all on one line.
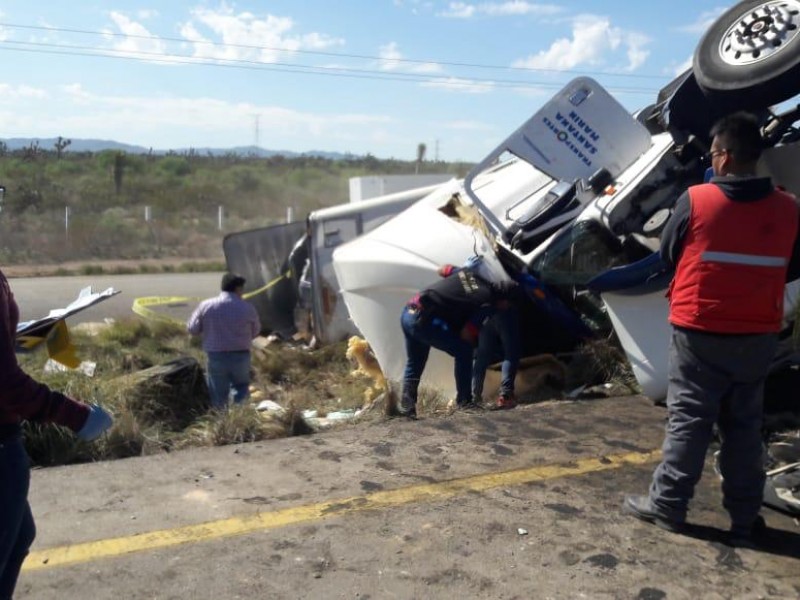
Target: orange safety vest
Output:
[(732, 271)]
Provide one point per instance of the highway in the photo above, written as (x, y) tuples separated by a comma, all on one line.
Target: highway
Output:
[(36, 296), (500, 505)]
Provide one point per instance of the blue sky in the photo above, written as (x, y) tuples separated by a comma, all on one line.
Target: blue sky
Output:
[(360, 76)]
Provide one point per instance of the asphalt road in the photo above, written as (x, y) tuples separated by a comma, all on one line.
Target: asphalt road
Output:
[(520, 504), (36, 296)]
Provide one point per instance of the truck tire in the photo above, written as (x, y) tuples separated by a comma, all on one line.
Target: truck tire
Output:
[(750, 56)]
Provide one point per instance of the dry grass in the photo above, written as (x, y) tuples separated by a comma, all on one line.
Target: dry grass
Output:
[(156, 409), (237, 425), (598, 362)]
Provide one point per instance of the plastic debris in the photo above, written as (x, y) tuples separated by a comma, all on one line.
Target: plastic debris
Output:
[(269, 406), (312, 417), (86, 367)]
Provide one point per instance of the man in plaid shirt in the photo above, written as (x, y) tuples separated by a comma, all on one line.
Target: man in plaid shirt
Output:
[(228, 324)]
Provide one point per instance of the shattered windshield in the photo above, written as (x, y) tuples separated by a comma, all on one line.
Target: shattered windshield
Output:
[(579, 253)]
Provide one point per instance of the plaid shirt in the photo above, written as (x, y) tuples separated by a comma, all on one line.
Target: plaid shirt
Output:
[(226, 322)]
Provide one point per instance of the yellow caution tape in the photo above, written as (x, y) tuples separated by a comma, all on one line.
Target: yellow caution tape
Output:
[(140, 305), (265, 287)]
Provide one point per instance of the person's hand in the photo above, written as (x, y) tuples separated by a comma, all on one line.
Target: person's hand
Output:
[(99, 421), (445, 270), (473, 261)]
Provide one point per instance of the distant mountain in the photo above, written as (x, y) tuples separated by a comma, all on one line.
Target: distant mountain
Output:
[(100, 145)]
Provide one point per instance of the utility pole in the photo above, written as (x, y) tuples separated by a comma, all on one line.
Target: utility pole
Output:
[(256, 119)]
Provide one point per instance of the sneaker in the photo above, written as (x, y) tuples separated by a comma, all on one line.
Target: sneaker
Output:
[(469, 406), (642, 508), (504, 402), (742, 536), (409, 411)]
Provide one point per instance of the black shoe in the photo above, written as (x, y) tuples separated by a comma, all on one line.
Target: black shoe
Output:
[(642, 508), (747, 537), (470, 406), (408, 413)]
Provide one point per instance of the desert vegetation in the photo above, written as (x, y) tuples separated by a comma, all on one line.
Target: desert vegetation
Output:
[(67, 206)]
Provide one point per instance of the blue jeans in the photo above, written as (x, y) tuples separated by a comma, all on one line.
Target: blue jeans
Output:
[(226, 371), (499, 340), (17, 528), (421, 333)]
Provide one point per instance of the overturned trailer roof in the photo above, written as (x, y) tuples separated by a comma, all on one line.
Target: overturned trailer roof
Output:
[(273, 258)]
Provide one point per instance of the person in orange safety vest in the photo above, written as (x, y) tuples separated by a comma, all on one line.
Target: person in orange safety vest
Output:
[(731, 242)]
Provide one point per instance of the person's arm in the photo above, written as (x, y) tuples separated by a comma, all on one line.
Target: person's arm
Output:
[(22, 397), (675, 231), (195, 323)]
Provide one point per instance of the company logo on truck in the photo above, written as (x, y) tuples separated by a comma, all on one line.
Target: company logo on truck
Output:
[(576, 134)]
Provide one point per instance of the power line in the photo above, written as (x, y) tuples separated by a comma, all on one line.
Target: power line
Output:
[(346, 72), (334, 54)]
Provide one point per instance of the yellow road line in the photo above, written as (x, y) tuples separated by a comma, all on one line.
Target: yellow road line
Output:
[(431, 492)]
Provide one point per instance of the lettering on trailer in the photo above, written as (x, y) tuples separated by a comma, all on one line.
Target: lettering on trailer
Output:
[(576, 134)]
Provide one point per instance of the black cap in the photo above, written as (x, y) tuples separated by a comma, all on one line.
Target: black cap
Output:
[(231, 281)]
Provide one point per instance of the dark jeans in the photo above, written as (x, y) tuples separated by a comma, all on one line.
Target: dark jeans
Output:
[(421, 333), (499, 340), (228, 371), (17, 529), (714, 379)]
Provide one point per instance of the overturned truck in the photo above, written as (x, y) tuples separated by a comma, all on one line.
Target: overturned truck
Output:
[(572, 204)]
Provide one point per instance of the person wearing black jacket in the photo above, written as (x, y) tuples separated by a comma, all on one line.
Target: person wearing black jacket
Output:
[(448, 316)]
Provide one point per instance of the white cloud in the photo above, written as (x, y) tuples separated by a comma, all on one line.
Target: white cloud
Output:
[(456, 84), (415, 5), (637, 53), (173, 122), (467, 10), (391, 59), (467, 126), (593, 40), (76, 93), (12, 93), (147, 13), (676, 70), (389, 55), (136, 40), (703, 21), (245, 36)]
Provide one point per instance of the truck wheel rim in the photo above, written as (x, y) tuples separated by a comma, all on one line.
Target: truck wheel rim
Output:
[(761, 33)]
